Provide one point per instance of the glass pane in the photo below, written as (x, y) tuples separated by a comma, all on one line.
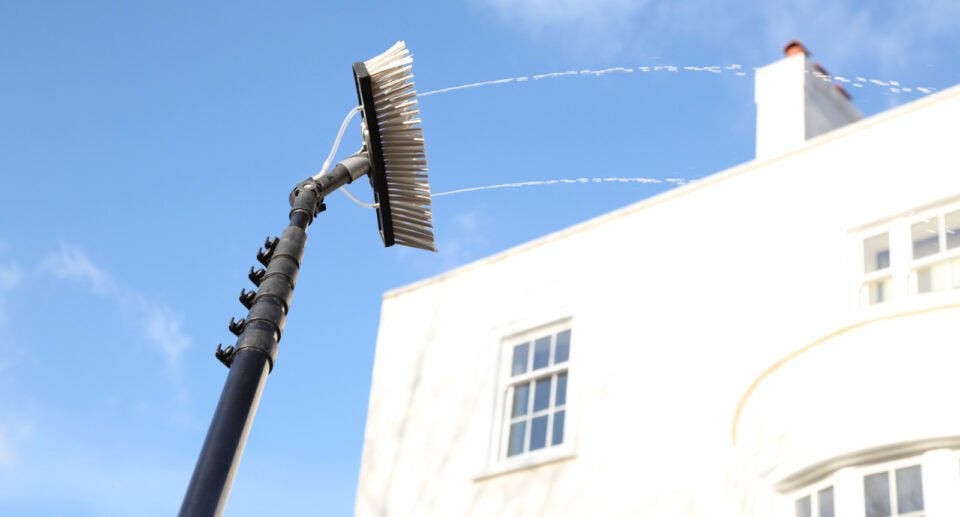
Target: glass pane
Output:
[(825, 502), (880, 290), (876, 494), (558, 418), (541, 353), (521, 397), (952, 222), (926, 237), (933, 278), (561, 397), (563, 347), (538, 433), (541, 394), (520, 353), (876, 253), (924, 280), (517, 432), (941, 276), (909, 490), (955, 273), (802, 507)]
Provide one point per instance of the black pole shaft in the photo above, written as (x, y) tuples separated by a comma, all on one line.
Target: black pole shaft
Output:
[(252, 359), (223, 447)]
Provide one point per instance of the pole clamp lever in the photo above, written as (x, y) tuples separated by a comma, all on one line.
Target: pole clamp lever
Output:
[(225, 355)]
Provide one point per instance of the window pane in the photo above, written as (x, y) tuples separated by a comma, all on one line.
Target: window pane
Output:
[(876, 253), (825, 502), (541, 394), (876, 493), (563, 347), (538, 433), (909, 490), (926, 237), (558, 418), (517, 432), (941, 276), (802, 507), (561, 397), (955, 273), (521, 397), (520, 353), (880, 290), (952, 221), (541, 353), (924, 280), (933, 278)]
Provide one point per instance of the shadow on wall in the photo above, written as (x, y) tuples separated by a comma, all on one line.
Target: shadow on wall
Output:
[(375, 498)]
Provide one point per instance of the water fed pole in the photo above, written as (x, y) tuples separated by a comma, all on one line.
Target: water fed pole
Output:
[(394, 159)]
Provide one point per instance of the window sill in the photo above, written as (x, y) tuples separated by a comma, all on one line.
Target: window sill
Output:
[(527, 462), (911, 302)]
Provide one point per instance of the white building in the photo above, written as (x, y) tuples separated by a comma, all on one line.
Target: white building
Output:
[(773, 340)]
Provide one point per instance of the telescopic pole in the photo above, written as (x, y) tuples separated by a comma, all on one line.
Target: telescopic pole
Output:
[(255, 353)]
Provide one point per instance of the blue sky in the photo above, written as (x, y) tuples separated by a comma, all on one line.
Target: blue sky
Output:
[(149, 147)]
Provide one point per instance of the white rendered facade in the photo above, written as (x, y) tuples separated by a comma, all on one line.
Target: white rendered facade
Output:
[(731, 350)]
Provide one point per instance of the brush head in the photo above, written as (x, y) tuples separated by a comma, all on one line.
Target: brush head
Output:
[(393, 140)]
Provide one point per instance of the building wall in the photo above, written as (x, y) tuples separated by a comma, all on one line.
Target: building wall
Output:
[(796, 102), (679, 304)]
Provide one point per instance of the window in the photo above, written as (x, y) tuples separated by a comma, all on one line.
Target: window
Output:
[(894, 493), (861, 486), (911, 256), (536, 392), (818, 504), (876, 268), (936, 252)]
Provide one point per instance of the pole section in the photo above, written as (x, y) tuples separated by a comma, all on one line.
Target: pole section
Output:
[(253, 357)]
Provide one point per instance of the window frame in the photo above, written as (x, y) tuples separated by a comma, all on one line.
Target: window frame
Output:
[(529, 377), (813, 492), (498, 462), (943, 255), (904, 270), (891, 468), (936, 458), (552, 371), (869, 278)]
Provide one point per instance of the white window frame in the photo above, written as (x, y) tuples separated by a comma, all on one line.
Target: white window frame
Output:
[(944, 256), (938, 471), (552, 372), (879, 275), (813, 492), (903, 270), (498, 462), (891, 468)]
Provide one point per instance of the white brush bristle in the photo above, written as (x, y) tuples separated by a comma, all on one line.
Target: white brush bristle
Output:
[(404, 155)]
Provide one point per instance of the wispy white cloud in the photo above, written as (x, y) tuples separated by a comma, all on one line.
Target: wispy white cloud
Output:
[(90, 483), (460, 239), (466, 238), (886, 34), (544, 14), (7, 458), (11, 276), (161, 325), (15, 430), (468, 221), (70, 263), (588, 23)]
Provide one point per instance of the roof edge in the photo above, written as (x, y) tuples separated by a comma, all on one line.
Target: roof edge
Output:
[(693, 186)]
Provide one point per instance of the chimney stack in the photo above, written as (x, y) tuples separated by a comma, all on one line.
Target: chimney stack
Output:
[(796, 101)]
